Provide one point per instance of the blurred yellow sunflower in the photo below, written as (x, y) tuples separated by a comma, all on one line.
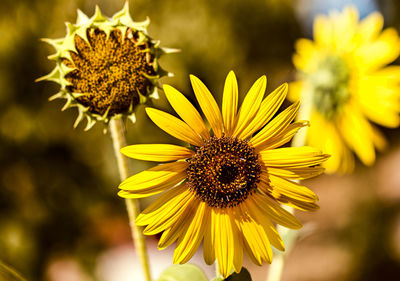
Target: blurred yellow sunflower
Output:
[(226, 187), (344, 75)]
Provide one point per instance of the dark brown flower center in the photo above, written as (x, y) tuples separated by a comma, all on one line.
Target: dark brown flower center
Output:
[(110, 72), (224, 171)]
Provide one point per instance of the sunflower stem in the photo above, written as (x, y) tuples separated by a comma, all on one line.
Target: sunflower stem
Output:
[(289, 236), (132, 205)]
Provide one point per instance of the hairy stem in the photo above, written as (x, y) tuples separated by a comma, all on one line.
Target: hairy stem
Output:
[(132, 205)]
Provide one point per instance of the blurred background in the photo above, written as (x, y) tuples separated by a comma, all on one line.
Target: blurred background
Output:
[(60, 217)]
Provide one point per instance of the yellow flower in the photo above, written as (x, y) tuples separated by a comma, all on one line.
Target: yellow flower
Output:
[(226, 187), (343, 73), (106, 66)]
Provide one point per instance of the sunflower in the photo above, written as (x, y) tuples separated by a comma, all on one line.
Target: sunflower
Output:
[(225, 188), (106, 66), (344, 75)]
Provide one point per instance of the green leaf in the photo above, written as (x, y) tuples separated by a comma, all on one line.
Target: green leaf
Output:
[(243, 275), (9, 274), (184, 272)]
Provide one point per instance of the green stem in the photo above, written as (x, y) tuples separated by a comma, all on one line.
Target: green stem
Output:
[(289, 236), (132, 205)]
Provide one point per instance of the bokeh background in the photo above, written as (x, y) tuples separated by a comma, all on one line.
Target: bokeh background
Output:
[(60, 217)]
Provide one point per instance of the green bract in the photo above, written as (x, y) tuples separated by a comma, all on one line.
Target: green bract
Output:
[(106, 66)]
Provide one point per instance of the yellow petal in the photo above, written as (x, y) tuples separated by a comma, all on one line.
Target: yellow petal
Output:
[(208, 105), (268, 108), (178, 230), (292, 157), (289, 188), (356, 130), (285, 136), (170, 235), (332, 143), (186, 111), (190, 242), (154, 180), (323, 31), (230, 102), (224, 241), (209, 240), (168, 214), (174, 126), (295, 173), (385, 49), (178, 195), (379, 95), (307, 56), (157, 152), (269, 228), (275, 211), (255, 259), (238, 242), (378, 139), (370, 27), (255, 235), (344, 28), (298, 204), (250, 105), (276, 126), (295, 88)]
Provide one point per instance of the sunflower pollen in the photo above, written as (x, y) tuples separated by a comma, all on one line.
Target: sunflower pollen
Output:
[(224, 171)]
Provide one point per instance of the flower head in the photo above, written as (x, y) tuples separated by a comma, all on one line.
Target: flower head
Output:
[(344, 74), (106, 67), (225, 188)]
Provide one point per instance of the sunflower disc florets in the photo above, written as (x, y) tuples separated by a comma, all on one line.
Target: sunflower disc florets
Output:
[(106, 66)]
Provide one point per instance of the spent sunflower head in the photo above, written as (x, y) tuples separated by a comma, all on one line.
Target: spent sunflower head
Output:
[(226, 187), (106, 66), (344, 75)]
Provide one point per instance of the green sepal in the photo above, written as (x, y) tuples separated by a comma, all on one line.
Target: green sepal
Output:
[(55, 75), (82, 32), (60, 94), (154, 95), (67, 104), (164, 51), (78, 119), (152, 78), (142, 25), (123, 30), (90, 123), (98, 16), (82, 18), (182, 272), (132, 117), (142, 99)]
